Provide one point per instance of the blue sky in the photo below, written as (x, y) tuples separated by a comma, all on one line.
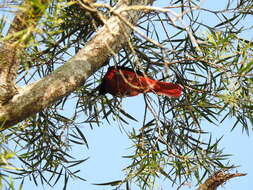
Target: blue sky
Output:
[(109, 143)]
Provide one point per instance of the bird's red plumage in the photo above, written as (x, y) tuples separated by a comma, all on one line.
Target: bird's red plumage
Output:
[(123, 82)]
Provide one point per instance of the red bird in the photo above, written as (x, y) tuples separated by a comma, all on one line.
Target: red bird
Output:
[(122, 82)]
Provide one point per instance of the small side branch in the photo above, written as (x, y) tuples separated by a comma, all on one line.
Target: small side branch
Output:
[(219, 178)]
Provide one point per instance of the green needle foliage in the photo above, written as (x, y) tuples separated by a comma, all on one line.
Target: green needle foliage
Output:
[(212, 61)]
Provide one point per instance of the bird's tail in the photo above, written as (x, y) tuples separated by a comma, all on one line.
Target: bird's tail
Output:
[(167, 89)]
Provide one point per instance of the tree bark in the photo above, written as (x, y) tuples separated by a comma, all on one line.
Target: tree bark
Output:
[(41, 94)]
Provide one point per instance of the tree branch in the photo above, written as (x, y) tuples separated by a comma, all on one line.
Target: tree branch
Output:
[(219, 178), (39, 95), (24, 21)]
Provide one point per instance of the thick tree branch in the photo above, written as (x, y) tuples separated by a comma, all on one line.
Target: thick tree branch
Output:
[(109, 39), (25, 21)]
